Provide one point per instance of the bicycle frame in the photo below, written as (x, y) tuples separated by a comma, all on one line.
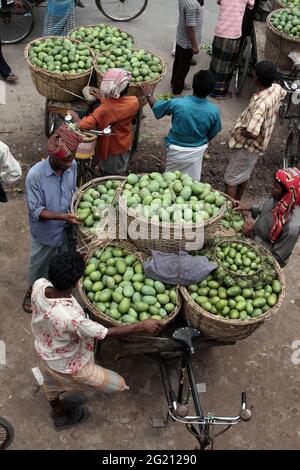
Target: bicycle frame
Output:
[(178, 406)]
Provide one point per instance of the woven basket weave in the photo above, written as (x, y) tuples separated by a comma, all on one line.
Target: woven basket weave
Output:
[(278, 4), (99, 316), (134, 88), (279, 45), (216, 327), (84, 236), (167, 237), (57, 86)]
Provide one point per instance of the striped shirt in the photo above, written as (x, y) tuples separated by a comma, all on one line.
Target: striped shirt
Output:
[(190, 14), (230, 19), (259, 119)]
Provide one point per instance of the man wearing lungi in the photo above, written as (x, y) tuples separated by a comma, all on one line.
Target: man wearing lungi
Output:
[(195, 122), (226, 43), (50, 185), (64, 340), (253, 129)]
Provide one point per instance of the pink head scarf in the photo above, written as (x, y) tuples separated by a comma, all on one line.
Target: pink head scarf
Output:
[(114, 81)]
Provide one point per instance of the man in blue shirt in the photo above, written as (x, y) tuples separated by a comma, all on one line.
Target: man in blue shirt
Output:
[(195, 122), (50, 185)]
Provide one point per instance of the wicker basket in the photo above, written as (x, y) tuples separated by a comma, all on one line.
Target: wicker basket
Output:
[(219, 230), (134, 88), (218, 328), (278, 4), (251, 279), (279, 45), (57, 86), (167, 237), (95, 51), (84, 236), (100, 317)]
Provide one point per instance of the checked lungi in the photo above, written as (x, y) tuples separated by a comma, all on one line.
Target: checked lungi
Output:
[(91, 377), (224, 56)]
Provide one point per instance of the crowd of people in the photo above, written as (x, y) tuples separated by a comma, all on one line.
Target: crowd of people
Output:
[(63, 335)]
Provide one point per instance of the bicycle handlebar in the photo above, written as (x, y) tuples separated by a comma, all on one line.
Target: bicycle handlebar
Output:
[(244, 415), (293, 88)]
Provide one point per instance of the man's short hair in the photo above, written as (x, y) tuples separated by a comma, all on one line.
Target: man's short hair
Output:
[(203, 83), (65, 270), (266, 73)]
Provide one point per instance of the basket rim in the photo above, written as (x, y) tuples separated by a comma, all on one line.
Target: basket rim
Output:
[(205, 223), (239, 241), (136, 84), (276, 31), (60, 76), (141, 257), (80, 191), (222, 321)]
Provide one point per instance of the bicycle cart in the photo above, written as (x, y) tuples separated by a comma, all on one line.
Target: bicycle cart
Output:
[(178, 346), (55, 112)]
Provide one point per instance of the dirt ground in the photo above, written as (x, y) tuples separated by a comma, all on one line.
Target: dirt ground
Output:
[(266, 365)]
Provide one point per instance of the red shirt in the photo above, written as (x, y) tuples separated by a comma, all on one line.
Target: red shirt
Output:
[(118, 113)]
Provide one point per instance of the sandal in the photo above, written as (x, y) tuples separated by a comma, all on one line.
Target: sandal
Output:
[(11, 77), (27, 302), (76, 416)]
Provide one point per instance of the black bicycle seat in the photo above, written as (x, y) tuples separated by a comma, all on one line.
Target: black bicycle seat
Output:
[(185, 337)]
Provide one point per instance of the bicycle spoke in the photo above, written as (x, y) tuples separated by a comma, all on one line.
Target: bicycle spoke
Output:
[(118, 10), (15, 27)]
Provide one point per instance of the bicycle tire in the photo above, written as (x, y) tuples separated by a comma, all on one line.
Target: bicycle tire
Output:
[(136, 130), (84, 174), (291, 157), (7, 431), (243, 65), (8, 36), (118, 17)]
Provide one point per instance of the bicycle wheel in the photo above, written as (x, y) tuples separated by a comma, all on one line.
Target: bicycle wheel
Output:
[(16, 23), (50, 121), (121, 10), (6, 433), (284, 109), (291, 157), (84, 173), (136, 125), (243, 65)]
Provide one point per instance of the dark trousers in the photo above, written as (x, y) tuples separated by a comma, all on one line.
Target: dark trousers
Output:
[(181, 67), (4, 67)]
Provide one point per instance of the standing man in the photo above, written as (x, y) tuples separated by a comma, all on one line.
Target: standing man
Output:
[(253, 129), (195, 122), (188, 39), (116, 109), (50, 185), (226, 43), (59, 18), (10, 170)]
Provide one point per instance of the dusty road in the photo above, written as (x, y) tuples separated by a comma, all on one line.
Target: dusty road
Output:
[(266, 365)]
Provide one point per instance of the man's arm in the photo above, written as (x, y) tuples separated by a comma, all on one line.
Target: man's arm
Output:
[(37, 209), (192, 37), (216, 128), (10, 170)]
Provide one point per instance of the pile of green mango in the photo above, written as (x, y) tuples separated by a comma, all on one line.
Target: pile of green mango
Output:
[(171, 197), (60, 55), (115, 283)]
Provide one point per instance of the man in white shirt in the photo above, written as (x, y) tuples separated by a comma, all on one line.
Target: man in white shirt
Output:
[(10, 170)]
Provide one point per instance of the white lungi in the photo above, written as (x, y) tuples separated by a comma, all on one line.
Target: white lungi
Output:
[(188, 160), (240, 167)]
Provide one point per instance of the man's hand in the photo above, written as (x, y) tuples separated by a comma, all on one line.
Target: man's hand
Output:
[(71, 219), (95, 92), (150, 326), (147, 89), (240, 206), (248, 227)]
